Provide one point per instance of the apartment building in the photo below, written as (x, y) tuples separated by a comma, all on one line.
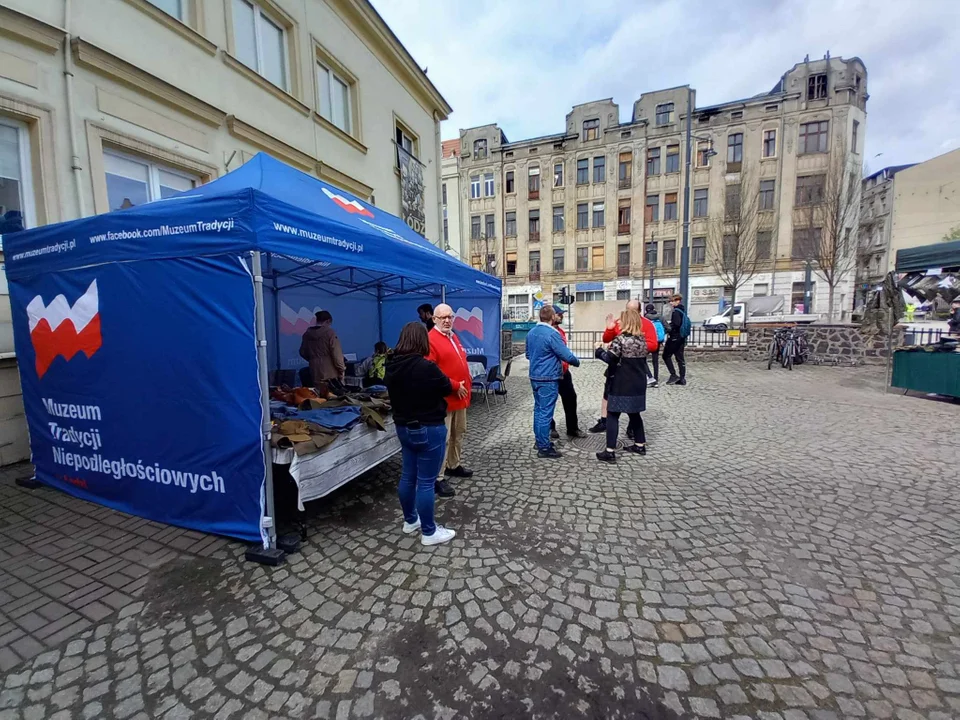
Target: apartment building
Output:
[(114, 103), (873, 246), (450, 198), (598, 207)]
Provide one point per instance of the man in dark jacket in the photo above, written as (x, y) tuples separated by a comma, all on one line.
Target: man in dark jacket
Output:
[(568, 393), (653, 359), (673, 347), (321, 348)]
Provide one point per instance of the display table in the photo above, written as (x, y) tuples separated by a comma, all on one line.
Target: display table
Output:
[(931, 372)]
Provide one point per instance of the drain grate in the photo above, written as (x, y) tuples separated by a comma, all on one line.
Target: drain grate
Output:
[(592, 443)]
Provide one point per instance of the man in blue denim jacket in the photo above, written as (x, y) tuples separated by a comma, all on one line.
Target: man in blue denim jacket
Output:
[(546, 352)]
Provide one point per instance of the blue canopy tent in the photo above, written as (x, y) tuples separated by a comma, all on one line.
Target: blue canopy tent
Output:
[(145, 335)]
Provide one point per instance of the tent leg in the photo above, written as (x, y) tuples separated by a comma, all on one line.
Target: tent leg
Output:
[(269, 555), (380, 313), (443, 294)]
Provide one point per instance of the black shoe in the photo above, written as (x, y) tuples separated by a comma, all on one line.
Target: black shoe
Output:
[(550, 452), (600, 427), (443, 489), (673, 380), (576, 434), (459, 471), (681, 381), (636, 449), (554, 435), (607, 456)]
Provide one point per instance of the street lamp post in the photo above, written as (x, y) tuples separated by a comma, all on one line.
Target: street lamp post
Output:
[(685, 246)]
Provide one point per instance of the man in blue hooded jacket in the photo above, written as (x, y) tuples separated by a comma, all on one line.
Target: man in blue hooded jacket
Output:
[(546, 352)]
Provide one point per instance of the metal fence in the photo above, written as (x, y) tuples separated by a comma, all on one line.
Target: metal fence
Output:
[(584, 342), (922, 336)]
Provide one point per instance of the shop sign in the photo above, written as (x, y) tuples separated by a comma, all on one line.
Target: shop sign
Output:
[(660, 293), (705, 294)]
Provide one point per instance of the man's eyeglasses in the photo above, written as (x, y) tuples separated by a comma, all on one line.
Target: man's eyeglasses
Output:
[(443, 317)]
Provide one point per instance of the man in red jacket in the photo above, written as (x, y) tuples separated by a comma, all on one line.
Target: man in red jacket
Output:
[(609, 333), (447, 352)]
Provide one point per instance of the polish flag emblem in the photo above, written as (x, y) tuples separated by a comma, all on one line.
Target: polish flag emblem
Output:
[(351, 206), (59, 329)]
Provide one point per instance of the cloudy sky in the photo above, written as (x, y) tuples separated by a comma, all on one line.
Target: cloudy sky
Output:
[(524, 63)]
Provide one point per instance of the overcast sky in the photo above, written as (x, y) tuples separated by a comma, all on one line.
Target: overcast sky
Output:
[(525, 63)]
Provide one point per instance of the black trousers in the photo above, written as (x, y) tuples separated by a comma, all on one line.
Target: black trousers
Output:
[(635, 424), (653, 360), (568, 396), (674, 349)]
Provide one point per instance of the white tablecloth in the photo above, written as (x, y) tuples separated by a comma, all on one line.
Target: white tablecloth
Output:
[(477, 370)]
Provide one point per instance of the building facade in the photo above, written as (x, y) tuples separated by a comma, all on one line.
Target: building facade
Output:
[(876, 226), (598, 208), (926, 204), (450, 199), (114, 103)]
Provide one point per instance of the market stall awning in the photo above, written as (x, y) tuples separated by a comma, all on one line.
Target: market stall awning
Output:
[(925, 257)]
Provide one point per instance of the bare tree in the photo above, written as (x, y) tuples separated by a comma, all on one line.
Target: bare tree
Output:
[(741, 237), (830, 209)]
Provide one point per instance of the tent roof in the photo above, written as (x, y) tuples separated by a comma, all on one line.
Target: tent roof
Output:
[(938, 255), (264, 205)]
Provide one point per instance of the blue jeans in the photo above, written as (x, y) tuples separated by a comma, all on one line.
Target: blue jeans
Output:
[(422, 451), (545, 394)]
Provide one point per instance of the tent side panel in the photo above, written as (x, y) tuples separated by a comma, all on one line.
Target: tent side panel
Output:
[(141, 390)]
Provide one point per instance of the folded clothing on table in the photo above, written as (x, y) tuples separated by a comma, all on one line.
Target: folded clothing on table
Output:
[(303, 437)]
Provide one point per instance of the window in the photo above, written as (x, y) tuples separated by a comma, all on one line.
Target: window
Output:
[(583, 262), (489, 228), (817, 87), (764, 241), (625, 174), (16, 188), (698, 251), (598, 214), (443, 193), (132, 181), (510, 188), (590, 295), (669, 253), (474, 227), (856, 132), (670, 206), (767, 191), (734, 151), (625, 134), (597, 260), (488, 185), (511, 263), (583, 171), (769, 143), (703, 153), (664, 113), (406, 141), (700, 203), (810, 189), (771, 108), (510, 224), (651, 212), (558, 174), (653, 161), (650, 254), (736, 115), (534, 224), (335, 103), (558, 260), (171, 7), (731, 203), (260, 43), (623, 294), (534, 262), (623, 216), (446, 233), (805, 241), (673, 158), (599, 169), (558, 219), (761, 289), (591, 129), (474, 187), (623, 257), (480, 148), (813, 137), (533, 182), (476, 262), (583, 217)]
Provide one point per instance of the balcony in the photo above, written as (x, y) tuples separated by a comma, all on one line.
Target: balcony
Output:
[(534, 236), (533, 195), (534, 276), (623, 271), (625, 183), (623, 229)]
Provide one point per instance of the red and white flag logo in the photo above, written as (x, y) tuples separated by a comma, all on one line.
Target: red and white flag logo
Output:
[(351, 206), (58, 329)]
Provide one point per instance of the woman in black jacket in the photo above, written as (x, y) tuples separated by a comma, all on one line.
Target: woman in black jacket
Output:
[(627, 360), (417, 390)]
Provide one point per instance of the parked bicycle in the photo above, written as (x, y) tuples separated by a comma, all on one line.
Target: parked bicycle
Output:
[(788, 347)]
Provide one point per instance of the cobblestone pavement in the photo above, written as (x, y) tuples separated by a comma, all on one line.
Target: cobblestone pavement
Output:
[(788, 549)]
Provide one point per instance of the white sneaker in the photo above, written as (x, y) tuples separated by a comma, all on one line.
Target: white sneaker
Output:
[(411, 527), (440, 535)]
